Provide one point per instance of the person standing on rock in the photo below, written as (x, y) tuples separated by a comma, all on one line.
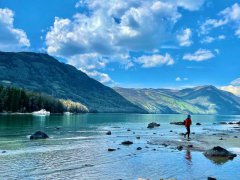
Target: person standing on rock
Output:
[(187, 124)]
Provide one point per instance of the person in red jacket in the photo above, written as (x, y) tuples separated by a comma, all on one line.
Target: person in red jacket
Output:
[(187, 124)]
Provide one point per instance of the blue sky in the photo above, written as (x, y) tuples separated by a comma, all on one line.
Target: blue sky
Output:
[(154, 43)]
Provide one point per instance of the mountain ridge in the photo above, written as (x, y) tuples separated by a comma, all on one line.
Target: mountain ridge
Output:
[(42, 73), (197, 100)]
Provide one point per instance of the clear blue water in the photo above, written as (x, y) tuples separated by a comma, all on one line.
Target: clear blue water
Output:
[(78, 150)]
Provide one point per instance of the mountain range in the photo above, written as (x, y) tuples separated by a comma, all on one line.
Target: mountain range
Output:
[(42, 73), (197, 100)]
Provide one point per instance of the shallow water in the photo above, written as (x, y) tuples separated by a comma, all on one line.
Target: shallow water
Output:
[(78, 150)]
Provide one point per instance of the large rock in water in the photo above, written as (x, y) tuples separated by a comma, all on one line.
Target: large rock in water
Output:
[(127, 143), (219, 152), (39, 135), (152, 125)]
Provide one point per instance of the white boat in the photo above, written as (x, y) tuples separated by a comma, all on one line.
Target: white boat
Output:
[(67, 113), (42, 112)]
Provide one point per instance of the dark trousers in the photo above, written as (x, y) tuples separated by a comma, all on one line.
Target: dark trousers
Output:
[(188, 131)]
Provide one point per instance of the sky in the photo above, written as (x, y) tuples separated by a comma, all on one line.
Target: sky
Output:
[(134, 43)]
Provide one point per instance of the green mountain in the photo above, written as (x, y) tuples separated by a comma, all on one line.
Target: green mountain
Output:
[(198, 100), (42, 73)]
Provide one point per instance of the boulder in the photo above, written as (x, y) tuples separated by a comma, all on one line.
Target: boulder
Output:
[(153, 125), (139, 148), (4, 151), (109, 133), (219, 152), (138, 137), (111, 149), (127, 143), (39, 135), (177, 123), (211, 178), (198, 124)]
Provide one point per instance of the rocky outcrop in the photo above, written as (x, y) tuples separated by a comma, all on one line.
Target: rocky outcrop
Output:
[(127, 143), (219, 152), (153, 125), (111, 149), (39, 135), (108, 133)]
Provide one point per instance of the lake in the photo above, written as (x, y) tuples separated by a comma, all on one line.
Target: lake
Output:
[(79, 148)]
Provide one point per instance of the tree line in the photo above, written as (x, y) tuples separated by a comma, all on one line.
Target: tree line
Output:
[(14, 99)]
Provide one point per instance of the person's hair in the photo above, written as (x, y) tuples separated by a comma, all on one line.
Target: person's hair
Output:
[(189, 116)]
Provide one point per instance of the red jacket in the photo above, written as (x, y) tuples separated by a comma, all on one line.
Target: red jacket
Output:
[(188, 122)]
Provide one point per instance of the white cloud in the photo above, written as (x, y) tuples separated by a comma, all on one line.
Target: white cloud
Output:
[(228, 15), (11, 38), (236, 82), (181, 79), (237, 33), (113, 29), (155, 60), (184, 38), (99, 76), (233, 89), (190, 4), (207, 40), (221, 37), (178, 79), (88, 61), (199, 55), (217, 51)]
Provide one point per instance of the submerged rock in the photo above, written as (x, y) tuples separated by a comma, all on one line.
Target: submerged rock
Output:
[(177, 123), (138, 137), (39, 135), (219, 152), (127, 143), (109, 133), (179, 148), (222, 123), (164, 144), (139, 148), (153, 125), (198, 124), (4, 151)]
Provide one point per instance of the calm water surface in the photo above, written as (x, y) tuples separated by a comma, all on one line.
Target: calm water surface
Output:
[(78, 150)]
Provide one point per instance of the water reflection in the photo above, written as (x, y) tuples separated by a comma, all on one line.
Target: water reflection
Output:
[(218, 160), (188, 155)]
